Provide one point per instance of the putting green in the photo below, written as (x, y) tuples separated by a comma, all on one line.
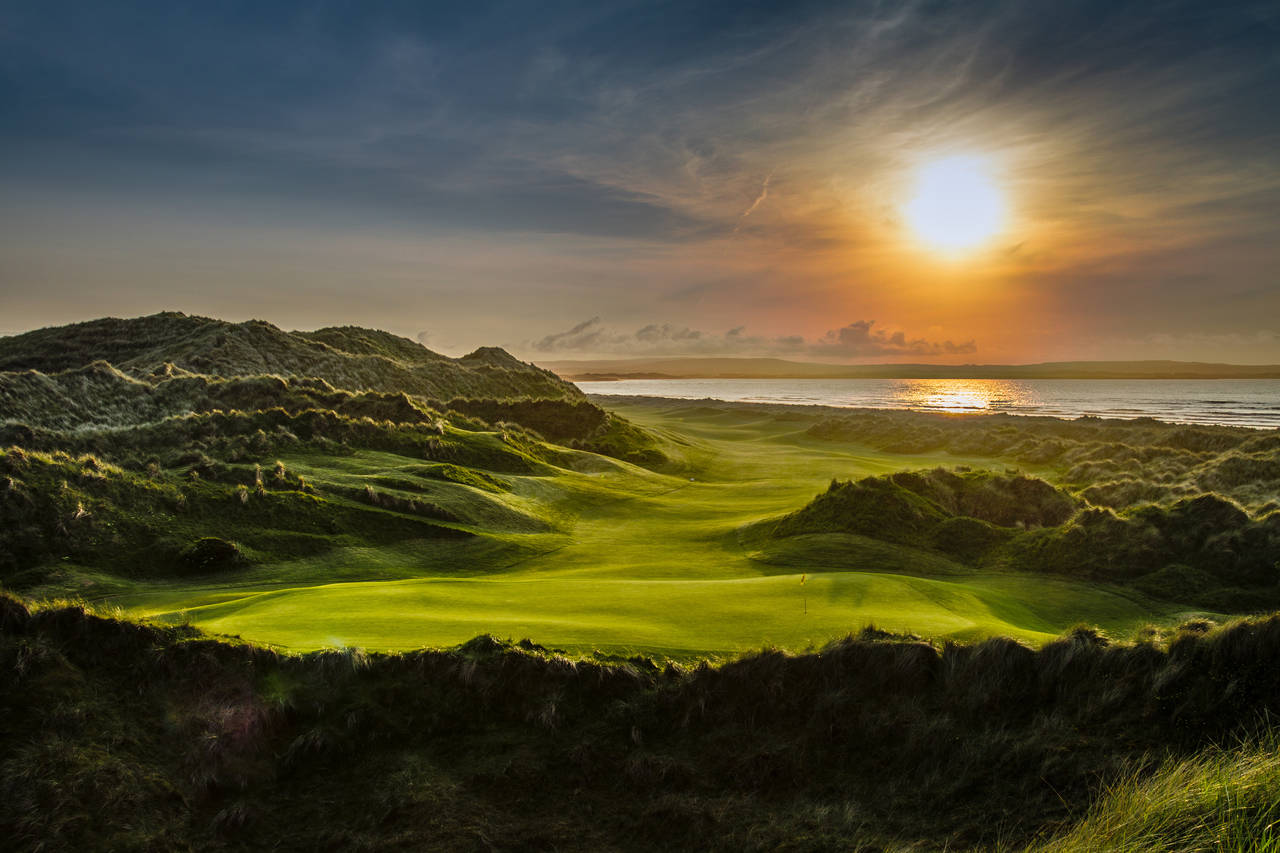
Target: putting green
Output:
[(617, 558), (669, 616)]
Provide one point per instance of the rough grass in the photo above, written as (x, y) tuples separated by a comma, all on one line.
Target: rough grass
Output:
[(1204, 549), (1219, 800), (126, 736), (1115, 463)]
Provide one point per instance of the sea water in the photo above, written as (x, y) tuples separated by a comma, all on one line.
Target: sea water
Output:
[(1237, 402)]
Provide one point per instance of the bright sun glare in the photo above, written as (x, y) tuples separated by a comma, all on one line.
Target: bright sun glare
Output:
[(956, 205)]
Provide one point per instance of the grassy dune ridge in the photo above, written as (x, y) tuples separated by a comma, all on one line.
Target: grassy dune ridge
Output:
[(1112, 463), (170, 343), (120, 735), (1205, 549)]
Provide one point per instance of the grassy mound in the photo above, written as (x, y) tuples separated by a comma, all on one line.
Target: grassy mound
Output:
[(1115, 463), (1205, 550), (1211, 535), (906, 507), (58, 511)]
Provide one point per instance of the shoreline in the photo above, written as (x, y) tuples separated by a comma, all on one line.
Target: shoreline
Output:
[(609, 400)]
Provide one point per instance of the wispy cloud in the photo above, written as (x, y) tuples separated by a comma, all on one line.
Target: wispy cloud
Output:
[(764, 194)]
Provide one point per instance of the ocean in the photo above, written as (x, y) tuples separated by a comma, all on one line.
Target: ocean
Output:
[(1236, 402)]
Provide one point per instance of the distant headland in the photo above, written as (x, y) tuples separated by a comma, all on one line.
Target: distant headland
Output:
[(776, 368)]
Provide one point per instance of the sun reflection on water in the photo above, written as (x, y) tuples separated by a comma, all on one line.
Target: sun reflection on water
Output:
[(960, 395)]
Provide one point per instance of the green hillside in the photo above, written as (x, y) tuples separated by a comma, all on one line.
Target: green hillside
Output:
[(322, 509), (349, 531)]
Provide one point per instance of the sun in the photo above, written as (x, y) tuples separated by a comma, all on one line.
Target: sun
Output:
[(956, 205)]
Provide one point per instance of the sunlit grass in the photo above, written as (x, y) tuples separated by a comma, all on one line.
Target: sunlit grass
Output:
[(1226, 801), (625, 558)]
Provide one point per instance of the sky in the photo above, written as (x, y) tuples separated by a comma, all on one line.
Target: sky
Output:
[(621, 179)]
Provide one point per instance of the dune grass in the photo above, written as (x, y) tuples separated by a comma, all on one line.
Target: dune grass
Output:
[(1224, 801), (617, 557), (122, 735)]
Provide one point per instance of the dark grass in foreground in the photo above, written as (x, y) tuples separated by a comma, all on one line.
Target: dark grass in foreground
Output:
[(116, 735)]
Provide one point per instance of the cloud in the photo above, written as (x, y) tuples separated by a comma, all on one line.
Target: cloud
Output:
[(592, 336), (666, 332), (764, 194), (859, 339), (586, 335)]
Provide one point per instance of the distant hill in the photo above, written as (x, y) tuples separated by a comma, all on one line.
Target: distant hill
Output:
[(346, 357), (777, 368)]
